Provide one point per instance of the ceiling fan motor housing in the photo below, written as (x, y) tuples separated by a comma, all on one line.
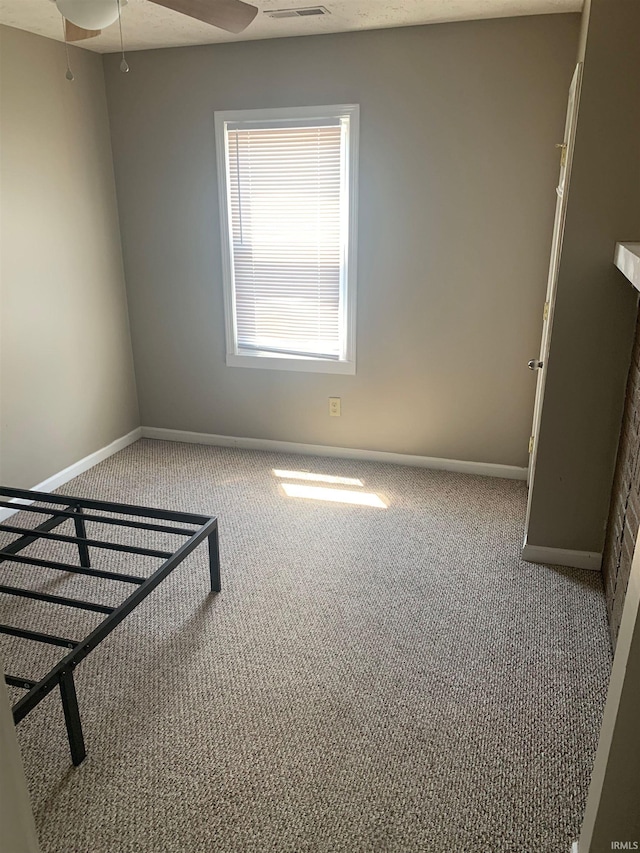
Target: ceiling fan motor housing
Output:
[(90, 14)]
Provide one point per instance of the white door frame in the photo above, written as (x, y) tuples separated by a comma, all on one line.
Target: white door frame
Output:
[(566, 159)]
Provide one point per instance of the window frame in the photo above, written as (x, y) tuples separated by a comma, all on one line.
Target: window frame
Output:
[(235, 357)]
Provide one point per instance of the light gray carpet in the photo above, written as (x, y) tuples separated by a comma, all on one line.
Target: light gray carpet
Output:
[(368, 680)]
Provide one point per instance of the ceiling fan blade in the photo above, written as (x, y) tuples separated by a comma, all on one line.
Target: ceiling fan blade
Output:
[(231, 15), (76, 33)]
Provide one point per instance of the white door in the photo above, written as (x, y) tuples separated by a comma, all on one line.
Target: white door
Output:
[(540, 364)]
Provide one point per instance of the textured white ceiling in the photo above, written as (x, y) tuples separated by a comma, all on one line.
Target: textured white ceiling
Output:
[(146, 25)]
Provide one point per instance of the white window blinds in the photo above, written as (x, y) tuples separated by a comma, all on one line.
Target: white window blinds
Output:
[(288, 221)]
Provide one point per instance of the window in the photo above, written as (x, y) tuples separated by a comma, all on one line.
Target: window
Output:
[(287, 182)]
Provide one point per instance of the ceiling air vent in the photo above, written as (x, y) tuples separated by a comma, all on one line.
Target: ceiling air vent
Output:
[(307, 12)]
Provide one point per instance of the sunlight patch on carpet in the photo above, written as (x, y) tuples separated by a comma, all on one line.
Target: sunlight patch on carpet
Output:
[(317, 478), (345, 496)]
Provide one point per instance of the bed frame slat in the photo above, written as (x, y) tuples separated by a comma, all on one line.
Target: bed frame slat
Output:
[(56, 599)]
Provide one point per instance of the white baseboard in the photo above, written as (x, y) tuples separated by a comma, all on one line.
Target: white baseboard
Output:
[(62, 477), (591, 560), (574, 847), (487, 469)]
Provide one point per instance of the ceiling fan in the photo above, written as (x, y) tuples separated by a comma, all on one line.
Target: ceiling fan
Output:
[(87, 18)]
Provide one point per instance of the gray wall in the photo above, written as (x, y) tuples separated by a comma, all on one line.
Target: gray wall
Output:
[(595, 304), (16, 818), (457, 179), (67, 382)]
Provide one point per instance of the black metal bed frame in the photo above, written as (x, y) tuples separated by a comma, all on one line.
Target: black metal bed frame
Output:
[(65, 508)]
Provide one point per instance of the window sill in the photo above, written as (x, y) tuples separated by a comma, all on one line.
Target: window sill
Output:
[(305, 365)]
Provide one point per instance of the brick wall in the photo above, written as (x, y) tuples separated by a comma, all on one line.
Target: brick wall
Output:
[(624, 512)]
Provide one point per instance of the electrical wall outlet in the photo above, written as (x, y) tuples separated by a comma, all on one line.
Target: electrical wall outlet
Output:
[(334, 407)]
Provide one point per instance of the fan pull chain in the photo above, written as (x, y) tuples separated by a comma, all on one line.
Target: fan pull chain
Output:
[(69, 74), (124, 66)]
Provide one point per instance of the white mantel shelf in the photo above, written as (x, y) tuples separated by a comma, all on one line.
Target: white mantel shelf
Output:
[(627, 259)]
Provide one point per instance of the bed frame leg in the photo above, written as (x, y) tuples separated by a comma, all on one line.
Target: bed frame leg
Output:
[(72, 717), (81, 531), (214, 561)]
